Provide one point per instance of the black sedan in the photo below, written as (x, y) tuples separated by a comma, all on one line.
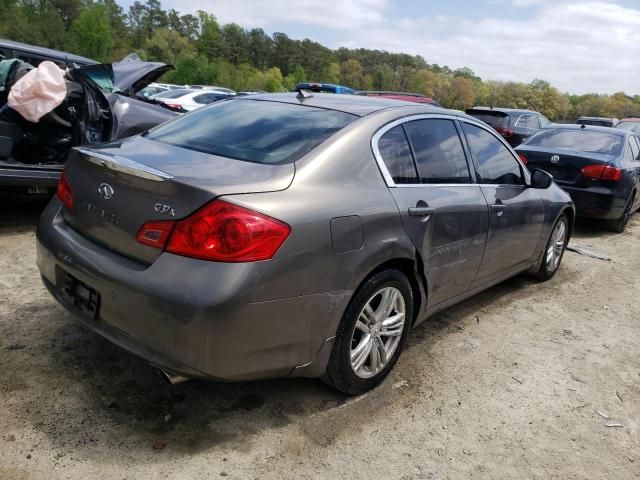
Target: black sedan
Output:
[(598, 166)]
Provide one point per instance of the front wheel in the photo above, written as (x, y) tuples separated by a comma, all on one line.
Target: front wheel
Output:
[(554, 249), (371, 333)]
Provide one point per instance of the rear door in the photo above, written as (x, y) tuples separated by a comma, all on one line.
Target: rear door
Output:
[(516, 213), (443, 211)]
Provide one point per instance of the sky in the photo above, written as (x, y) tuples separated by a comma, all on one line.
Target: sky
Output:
[(578, 46)]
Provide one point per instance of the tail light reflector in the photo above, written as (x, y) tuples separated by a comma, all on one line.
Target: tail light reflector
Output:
[(155, 234), (523, 157), (64, 192), (602, 172), (505, 132), (221, 232)]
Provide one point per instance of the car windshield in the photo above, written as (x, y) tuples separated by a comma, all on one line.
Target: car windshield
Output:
[(631, 126), (494, 119), (581, 140), (253, 131), (173, 93)]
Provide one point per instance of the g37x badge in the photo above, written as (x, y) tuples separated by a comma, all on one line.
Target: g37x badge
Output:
[(165, 209)]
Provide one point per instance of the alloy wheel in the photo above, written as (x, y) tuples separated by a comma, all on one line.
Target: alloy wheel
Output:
[(556, 246), (378, 331)]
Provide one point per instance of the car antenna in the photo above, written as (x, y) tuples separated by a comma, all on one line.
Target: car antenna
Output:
[(302, 94), (583, 126)]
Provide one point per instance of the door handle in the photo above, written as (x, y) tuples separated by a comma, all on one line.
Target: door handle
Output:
[(421, 211), (499, 208)]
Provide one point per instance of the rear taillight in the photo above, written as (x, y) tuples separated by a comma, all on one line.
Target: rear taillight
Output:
[(505, 132), (221, 232), (155, 234), (602, 172), (64, 192), (523, 157)]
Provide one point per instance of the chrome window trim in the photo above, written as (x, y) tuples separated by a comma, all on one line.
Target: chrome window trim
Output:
[(122, 164), (399, 121)]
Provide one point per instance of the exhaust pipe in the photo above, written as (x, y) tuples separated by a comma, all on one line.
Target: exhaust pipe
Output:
[(171, 378)]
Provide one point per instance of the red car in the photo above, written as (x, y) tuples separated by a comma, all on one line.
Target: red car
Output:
[(407, 97)]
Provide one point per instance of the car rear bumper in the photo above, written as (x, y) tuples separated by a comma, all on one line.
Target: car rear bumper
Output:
[(198, 325), (597, 202)]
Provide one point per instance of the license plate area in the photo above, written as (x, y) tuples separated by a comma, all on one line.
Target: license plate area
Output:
[(81, 295)]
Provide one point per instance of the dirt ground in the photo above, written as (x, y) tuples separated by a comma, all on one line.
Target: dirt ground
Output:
[(505, 386)]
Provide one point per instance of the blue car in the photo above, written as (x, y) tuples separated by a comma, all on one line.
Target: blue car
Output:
[(324, 88)]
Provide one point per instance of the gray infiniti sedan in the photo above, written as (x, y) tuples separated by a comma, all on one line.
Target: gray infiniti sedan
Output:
[(293, 235)]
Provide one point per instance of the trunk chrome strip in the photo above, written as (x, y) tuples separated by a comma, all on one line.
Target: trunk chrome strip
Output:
[(124, 165)]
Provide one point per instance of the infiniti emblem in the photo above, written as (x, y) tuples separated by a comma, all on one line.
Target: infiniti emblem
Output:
[(555, 159), (105, 191)]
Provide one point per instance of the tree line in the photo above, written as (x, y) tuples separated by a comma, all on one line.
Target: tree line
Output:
[(204, 51)]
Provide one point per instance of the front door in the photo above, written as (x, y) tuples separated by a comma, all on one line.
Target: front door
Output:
[(443, 211), (516, 212)]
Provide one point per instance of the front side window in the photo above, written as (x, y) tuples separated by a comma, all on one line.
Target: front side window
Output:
[(496, 164), (438, 151), (396, 154)]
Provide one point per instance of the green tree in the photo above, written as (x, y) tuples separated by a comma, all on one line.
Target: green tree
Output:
[(91, 33), (168, 46)]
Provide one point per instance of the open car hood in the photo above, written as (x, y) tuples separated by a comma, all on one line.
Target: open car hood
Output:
[(127, 76)]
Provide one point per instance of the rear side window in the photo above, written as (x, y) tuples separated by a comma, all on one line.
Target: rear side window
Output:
[(253, 131), (438, 151), (532, 122), (396, 154), (580, 140), (631, 126), (633, 145), (496, 164)]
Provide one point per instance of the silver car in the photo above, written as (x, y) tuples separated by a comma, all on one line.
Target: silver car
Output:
[(293, 235)]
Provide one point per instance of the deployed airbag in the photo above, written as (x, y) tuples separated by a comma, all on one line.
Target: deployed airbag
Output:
[(38, 92)]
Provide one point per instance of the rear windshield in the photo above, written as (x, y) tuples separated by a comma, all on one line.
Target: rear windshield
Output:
[(595, 123), (581, 140), (494, 119), (253, 131)]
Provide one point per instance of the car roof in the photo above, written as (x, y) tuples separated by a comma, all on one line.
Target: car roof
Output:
[(47, 52), (590, 128), (359, 105), (502, 110), (630, 119)]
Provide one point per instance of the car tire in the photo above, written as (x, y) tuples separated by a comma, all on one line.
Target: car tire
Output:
[(620, 224), (554, 249), (362, 354)]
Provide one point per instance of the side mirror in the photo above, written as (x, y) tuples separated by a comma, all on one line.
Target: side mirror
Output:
[(541, 179)]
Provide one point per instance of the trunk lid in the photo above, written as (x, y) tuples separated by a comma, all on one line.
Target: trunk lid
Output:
[(566, 169), (117, 187)]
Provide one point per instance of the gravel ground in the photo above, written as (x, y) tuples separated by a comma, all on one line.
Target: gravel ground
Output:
[(524, 381)]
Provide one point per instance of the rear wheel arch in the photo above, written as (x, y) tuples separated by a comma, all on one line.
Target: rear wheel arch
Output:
[(571, 216), (412, 268)]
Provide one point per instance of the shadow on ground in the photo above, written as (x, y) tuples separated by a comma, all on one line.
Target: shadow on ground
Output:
[(104, 395)]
